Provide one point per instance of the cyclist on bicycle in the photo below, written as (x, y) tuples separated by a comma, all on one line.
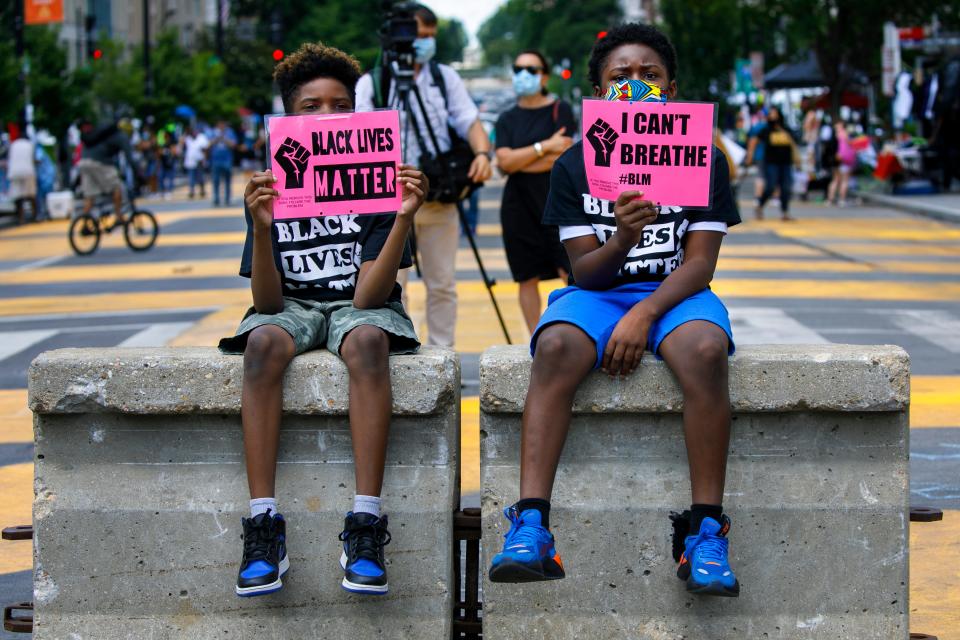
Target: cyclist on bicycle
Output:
[(98, 165)]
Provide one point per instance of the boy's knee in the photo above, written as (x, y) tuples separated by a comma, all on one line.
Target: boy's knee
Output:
[(266, 354), (711, 351), (365, 349), (555, 345)]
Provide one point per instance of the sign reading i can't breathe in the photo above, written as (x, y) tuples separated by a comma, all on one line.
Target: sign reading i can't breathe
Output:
[(662, 149), (329, 165)]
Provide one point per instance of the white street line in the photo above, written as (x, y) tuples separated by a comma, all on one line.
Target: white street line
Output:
[(156, 335), (939, 327), (13, 342), (43, 262), (768, 325), (107, 314)]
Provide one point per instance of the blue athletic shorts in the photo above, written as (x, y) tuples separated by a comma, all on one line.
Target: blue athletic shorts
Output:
[(598, 312)]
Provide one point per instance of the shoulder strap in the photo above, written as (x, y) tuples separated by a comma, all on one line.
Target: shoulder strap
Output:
[(377, 77), (438, 80), (556, 111)]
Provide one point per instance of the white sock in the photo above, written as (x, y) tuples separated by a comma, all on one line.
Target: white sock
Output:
[(367, 504), (261, 505)]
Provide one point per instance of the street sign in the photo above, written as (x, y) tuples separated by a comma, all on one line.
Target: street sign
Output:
[(42, 11)]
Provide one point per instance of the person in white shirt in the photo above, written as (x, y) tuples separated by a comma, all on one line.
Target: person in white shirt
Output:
[(436, 225), (22, 171), (194, 154)]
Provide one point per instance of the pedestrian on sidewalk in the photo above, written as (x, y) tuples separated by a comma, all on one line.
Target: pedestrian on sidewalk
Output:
[(530, 137), (780, 156), (22, 172), (221, 162), (842, 164), (194, 152)]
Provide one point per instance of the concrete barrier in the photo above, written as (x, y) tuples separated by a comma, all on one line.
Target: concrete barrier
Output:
[(817, 489), (140, 487)]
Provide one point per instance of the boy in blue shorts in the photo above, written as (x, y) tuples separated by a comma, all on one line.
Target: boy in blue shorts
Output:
[(320, 282), (641, 275)]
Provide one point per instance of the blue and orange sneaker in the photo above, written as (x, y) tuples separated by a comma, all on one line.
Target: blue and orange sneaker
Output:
[(364, 536), (528, 553), (704, 564), (265, 559)]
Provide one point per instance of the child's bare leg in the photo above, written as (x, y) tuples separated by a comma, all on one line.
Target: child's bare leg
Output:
[(268, 352), (696, 352), (564, 356), (365, 351)]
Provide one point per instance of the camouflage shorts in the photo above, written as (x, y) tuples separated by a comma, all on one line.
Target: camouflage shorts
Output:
[(314, 325)]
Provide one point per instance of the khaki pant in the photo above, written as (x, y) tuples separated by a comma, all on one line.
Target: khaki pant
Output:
[(437, 227)]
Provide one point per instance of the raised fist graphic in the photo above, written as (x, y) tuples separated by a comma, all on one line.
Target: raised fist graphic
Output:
[(603, 139), (292, 157)]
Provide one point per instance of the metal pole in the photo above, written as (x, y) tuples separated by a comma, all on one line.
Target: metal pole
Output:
[(20, 50), (220, 30), (147, 73), (78, 21)]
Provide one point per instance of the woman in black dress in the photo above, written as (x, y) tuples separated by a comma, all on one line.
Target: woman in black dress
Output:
[(530, 137)]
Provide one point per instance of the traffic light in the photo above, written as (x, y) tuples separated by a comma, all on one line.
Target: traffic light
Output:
[(97, 54), (277, 55), (566, 74), (601, 35), (90, 27)]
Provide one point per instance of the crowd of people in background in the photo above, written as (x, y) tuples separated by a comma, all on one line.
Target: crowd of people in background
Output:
[(158, 157)]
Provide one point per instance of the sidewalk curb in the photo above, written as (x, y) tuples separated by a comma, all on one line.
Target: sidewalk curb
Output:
[(902, 203)]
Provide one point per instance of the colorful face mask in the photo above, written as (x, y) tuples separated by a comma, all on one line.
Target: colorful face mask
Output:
[(635, 91)]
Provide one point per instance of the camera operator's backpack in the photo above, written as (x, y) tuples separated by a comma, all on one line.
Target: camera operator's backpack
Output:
[(447, 171)]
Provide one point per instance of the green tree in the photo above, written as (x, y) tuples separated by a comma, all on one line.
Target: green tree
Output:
[(558, 29), (451, 40)]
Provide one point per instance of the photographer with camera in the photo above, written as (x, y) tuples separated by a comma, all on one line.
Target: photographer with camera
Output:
[(410, 81)]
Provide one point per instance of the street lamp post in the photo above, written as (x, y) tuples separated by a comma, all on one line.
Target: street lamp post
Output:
[(147, 73)]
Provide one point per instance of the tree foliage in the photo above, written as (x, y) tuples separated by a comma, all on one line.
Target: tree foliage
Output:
[(451, 40), (559, 29)]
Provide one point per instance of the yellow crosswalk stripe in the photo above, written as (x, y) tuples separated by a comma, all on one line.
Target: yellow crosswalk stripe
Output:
[(934, 401), (935, 576), (469, 444), (16, 421), (16, 487)]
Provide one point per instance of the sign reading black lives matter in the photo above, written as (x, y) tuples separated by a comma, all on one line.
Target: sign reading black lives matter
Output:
[(329, 165), (662, 149)]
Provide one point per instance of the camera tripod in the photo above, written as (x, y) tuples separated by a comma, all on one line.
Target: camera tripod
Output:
[(405, 86)]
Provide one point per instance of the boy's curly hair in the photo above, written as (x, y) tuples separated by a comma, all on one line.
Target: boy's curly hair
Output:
[(632, 33), (311, 61)]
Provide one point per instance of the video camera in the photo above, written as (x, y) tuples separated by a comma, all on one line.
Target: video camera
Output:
[(398, 31)]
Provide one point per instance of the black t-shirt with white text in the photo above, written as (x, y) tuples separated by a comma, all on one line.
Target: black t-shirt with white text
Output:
[(319, 258), (660, 250)]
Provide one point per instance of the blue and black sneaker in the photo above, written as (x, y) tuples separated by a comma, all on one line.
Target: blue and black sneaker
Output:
[(364, 536), (264, 555), (704, 564), (528, 552)]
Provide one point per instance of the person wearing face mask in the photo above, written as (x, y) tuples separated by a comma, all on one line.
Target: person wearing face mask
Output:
[(437, 224), (530, 137), (780, 156)]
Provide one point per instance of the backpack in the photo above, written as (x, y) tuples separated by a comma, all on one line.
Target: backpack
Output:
[(446, 171)]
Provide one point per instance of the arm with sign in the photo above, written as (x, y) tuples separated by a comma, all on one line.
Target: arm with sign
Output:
[(264, 278), (377, 277)]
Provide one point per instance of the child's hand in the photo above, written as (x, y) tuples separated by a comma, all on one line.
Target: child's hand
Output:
[(627, 342), (415, 188), (259, 196), (632, 215)]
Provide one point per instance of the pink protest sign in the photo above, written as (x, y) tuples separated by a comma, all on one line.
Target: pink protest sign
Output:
[(662, 149), (329, 165)]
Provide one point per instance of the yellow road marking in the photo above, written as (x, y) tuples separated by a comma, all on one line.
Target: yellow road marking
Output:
[(934, 401), (929, 249), (771, 250), (935, 576), (469, 444), (130, 271), (16, 421), (16, 487), (865, 231), (209, 329)]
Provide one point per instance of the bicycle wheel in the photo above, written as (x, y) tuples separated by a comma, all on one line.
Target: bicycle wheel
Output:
[(141, 230), (84, 234)]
